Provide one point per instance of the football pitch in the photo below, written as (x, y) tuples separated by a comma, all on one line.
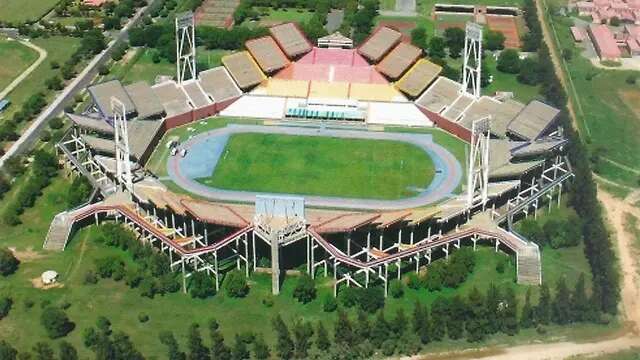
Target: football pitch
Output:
[(324, 166)]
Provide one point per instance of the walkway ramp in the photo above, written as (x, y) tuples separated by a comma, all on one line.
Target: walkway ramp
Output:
[(60, 228)]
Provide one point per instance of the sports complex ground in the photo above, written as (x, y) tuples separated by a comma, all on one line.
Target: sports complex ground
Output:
[(379, 170)]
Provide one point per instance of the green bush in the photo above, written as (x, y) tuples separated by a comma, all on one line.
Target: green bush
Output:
[(5, 306), (143, 318), (305, 290), (396, 289), (235, 284), (56, 322), (330, 304), (8, 262)]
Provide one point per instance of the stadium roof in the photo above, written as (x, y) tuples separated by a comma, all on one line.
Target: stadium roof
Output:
[(243, 69), (501, 114), (455, 111), (291, 39), (141, 135), (99, 144), (536, 148), (533, 120), (103, 92), (440, 95), (379, 43), (195, 93), (145, 100), (89, 123), (218, 84), (172, 98), (214, 213), (500, 164), (399, 60), (418, 77), (267, 54)]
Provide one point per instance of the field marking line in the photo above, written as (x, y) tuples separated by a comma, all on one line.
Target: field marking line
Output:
[(42, 54), (622, 166)]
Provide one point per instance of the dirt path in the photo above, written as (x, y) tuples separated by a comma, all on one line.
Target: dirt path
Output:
[(42, 54)]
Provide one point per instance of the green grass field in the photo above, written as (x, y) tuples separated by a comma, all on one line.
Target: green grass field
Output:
[(607, 108), (19, 11), (15, 59), (508, 82), (58, 49), (322, 166)]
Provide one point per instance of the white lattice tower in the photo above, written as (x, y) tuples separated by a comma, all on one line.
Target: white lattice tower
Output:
[(185, 47), (123, 163), (471, 70), (478, 172)]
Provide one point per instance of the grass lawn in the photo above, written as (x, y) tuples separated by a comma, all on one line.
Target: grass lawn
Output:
[(176, 311), (19, 11), (387, 4), (59, 49), (270, 15), (14, 60), (508, 82), (607, 110), (361, 168)]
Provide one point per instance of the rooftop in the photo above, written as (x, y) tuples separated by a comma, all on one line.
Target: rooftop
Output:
[(379, 43)]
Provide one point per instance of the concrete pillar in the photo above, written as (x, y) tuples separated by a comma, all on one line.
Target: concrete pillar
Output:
[(275, 265), (245, 241), (348, 244), (253, 241), (184, 278)]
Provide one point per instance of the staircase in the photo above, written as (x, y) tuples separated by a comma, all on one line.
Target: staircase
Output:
[(528, 265), (60, 229)]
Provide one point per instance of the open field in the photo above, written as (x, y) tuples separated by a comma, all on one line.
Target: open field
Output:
[(19, 11), (270, 16), (606, 119), (176, 311), (508, 82), (14, 60), (59, 49), (322, 166)]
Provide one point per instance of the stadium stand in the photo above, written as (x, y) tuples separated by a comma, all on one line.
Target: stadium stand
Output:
[(399, 60), (324, 89), (455, 111), (280, 87), (267, 54), (243, 69), (175, 103), (143, 137), (89, 123), (374, 92), (501, 114), (218, 84), (379, 43), (290, 39), (501, 164), (102, 94), (421, 75), (440, 95), (144, 99), (196, 95), (533, 121)]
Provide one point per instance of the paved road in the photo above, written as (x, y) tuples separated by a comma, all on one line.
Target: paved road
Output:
[(205, 149), (42, 54), (81, 81)]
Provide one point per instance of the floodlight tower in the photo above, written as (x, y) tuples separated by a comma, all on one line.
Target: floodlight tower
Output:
[(472, 59), (185, 47), (478, 172), (123, 163)]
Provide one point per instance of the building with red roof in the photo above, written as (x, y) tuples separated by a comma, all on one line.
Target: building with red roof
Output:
[(604, 42), (602, 11)]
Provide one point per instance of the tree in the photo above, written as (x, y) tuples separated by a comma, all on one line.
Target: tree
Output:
[(493, 309), (197, 350), (362, 326), (493, 40), (239, 351), (419, 37), (477, 325), (528, 316), (173, 349), (67, 351), (439, 317), (343, 329), (284, 345), (396, 289), (7, 352), (370, 299), (8, 262), (580, 306), (322, 338), (436, 47), (457, 316), (543, 309), (5, 306), (93, 42), (302, 333), (305, 290), (330, 304), (562, 303), (454, 38), (421, 322), (235, 284), (260, 348), (54, 83), (435, 274), (201, 285), (509, 61), (380, 331), (614, 21), (509, 313), (43, 351), (56, 322), (218, 348)]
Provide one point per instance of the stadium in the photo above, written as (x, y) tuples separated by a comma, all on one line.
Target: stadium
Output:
[(361, 162)]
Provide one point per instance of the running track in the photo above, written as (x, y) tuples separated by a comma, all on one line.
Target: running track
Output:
[(204, 151)]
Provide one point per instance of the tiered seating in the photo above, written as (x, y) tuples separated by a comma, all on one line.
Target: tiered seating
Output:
[(379, 44), (399, 60), (243, 69), (267, 54), (421, 75), (291, 39), (218, 84)]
